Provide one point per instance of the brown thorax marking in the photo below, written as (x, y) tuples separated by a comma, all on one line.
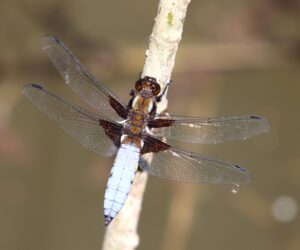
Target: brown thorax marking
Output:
[(136, 123), (142, 105)]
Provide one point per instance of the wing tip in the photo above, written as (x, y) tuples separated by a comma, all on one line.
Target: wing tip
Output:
[(248, 178), (241, 168), (256, 117), (36, 86), (264, 124), (30, 86), (49, 38)]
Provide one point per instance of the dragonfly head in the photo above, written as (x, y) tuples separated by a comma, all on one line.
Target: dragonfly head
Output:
[(147, 86)]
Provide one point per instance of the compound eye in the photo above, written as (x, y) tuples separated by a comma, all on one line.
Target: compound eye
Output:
[(138, 86), (155, 88)]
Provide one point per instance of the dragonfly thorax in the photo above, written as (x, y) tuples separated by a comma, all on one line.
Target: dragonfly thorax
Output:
[(142, 104), (135, 123)]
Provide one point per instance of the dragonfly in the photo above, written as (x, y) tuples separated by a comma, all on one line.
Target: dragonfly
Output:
[(136, 133)]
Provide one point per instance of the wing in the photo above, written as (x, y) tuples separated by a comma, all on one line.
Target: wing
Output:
[(208, 130), (81, 81), (180, 165), (93, 132)]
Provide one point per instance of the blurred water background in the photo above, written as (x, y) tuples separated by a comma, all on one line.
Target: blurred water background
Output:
[(236, 57)]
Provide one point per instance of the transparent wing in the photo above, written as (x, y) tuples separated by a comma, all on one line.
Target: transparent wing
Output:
[(79, 79), (83, 126), (185, 166), (209, 130)]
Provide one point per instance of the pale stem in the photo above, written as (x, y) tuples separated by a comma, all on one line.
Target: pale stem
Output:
[(160, 59)]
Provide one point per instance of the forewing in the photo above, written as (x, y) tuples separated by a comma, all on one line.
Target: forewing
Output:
[(208, 130), (81, 81), (179, 165), (82, 125)]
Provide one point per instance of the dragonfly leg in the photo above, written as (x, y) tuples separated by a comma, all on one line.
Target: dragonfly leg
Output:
[(132, 93), (159, 98), (140, 74)]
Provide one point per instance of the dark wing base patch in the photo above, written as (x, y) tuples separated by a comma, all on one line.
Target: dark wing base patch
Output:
[(158, 123), (152, 145), (112, 130), (118, 107)]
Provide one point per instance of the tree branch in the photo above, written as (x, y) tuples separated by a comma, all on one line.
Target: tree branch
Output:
[(160, 59)]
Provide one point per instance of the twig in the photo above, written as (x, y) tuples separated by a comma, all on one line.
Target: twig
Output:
[(160, 58)]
